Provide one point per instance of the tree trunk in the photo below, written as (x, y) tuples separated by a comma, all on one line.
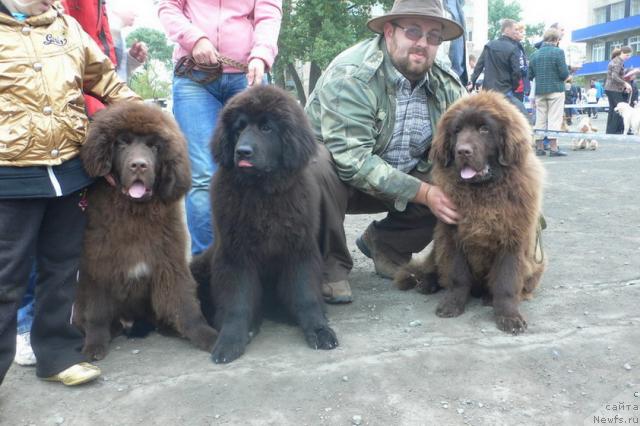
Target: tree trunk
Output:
[(291, 70), (278, 75), (314, 74)]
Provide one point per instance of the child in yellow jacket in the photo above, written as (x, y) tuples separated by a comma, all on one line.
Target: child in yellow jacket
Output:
[(46, 63)]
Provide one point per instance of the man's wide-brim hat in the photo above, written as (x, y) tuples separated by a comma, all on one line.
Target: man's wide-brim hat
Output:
[(423, 9)]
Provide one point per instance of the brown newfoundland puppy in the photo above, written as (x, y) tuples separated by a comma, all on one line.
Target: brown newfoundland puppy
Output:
[(482, 159), (265, 207), (134, 264)]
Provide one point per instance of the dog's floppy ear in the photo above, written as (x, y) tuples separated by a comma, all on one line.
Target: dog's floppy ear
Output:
[(174, 172), (97, 151), (515, 136), (298, 143), (441, 151), (223, 142)]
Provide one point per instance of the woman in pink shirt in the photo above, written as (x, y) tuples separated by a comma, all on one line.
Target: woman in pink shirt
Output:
[(245, 31)]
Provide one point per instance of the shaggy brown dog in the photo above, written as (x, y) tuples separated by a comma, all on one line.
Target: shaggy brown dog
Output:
[(134, 264), (265, 207), (483, 161)]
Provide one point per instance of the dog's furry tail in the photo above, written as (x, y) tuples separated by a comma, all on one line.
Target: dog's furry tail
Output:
[(200, 267)]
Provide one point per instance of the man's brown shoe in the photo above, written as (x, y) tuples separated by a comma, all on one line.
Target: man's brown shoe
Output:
[(385, 261), (337, 292)]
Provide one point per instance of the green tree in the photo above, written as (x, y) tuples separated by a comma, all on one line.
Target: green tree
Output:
[(152, 81), (315, 31), (533, 34), (499, 10), (156, 42)]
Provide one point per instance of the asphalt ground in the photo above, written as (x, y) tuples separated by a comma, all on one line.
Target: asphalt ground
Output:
[(398, 363)]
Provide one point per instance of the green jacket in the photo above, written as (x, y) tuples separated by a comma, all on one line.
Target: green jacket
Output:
[(548, 67), (352, 111)]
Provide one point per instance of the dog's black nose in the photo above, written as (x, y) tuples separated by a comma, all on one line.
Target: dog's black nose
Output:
[(138, 165), (464, 150), (244, 151)]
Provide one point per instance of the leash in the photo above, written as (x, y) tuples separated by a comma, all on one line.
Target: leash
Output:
[(542, 224), (186, 65)]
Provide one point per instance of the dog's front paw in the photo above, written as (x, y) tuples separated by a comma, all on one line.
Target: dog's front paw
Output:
[(95, 351), (227, 350), (322, 338), (514, 324), (450, 307)]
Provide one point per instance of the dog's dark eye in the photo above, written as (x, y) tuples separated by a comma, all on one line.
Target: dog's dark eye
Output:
[(264, 127), (122, 140), (152, 145), (483, 129)]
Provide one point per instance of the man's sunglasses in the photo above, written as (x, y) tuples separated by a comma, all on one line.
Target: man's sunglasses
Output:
[(416, 33)]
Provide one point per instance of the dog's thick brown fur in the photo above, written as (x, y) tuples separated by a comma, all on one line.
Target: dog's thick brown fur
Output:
[(134, 264), (483, 161)]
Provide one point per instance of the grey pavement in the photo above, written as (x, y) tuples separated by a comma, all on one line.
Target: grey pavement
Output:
[(398, 363)]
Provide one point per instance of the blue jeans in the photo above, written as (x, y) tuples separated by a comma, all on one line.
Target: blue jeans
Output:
[(196, 107), (25, 313)]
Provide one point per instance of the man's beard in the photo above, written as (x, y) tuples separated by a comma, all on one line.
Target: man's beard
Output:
[(411, 70)]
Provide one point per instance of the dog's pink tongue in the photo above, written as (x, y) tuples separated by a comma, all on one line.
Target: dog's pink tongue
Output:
[(137, 190), (244, 163), (467, 173)]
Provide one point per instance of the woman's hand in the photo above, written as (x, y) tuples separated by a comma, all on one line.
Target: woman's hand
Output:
[(204, 53), (255, 72)]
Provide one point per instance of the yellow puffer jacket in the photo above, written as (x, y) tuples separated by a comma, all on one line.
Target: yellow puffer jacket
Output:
[(45, 64)]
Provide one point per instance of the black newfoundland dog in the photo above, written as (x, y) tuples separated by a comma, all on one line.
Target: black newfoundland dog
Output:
[(265, 209), (134, 264), (482, 159)]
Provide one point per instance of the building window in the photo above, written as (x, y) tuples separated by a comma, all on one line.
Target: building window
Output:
[(597, 52), (617, 11), (635, 7), (634, 43), (600, 15), (616, 44)]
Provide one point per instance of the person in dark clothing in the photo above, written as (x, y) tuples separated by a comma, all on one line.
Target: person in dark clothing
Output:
[(570, 98), (556, 26), (500, 61), (524, 87), (634, 92), (616, 88)]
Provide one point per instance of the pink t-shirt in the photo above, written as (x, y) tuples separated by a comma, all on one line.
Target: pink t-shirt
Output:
[(239, 29)]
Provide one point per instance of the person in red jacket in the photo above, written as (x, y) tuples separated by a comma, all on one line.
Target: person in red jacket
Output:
[(92, 16)]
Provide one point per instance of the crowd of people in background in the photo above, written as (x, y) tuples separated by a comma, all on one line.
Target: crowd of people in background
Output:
[(504, 66)]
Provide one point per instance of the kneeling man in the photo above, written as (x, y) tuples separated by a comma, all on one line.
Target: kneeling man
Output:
[(375, 110)]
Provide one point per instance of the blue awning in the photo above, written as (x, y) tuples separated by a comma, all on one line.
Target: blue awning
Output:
[(590, 68), (606, 29)]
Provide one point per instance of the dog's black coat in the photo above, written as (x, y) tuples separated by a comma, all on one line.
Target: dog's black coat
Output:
[(265, 206)]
